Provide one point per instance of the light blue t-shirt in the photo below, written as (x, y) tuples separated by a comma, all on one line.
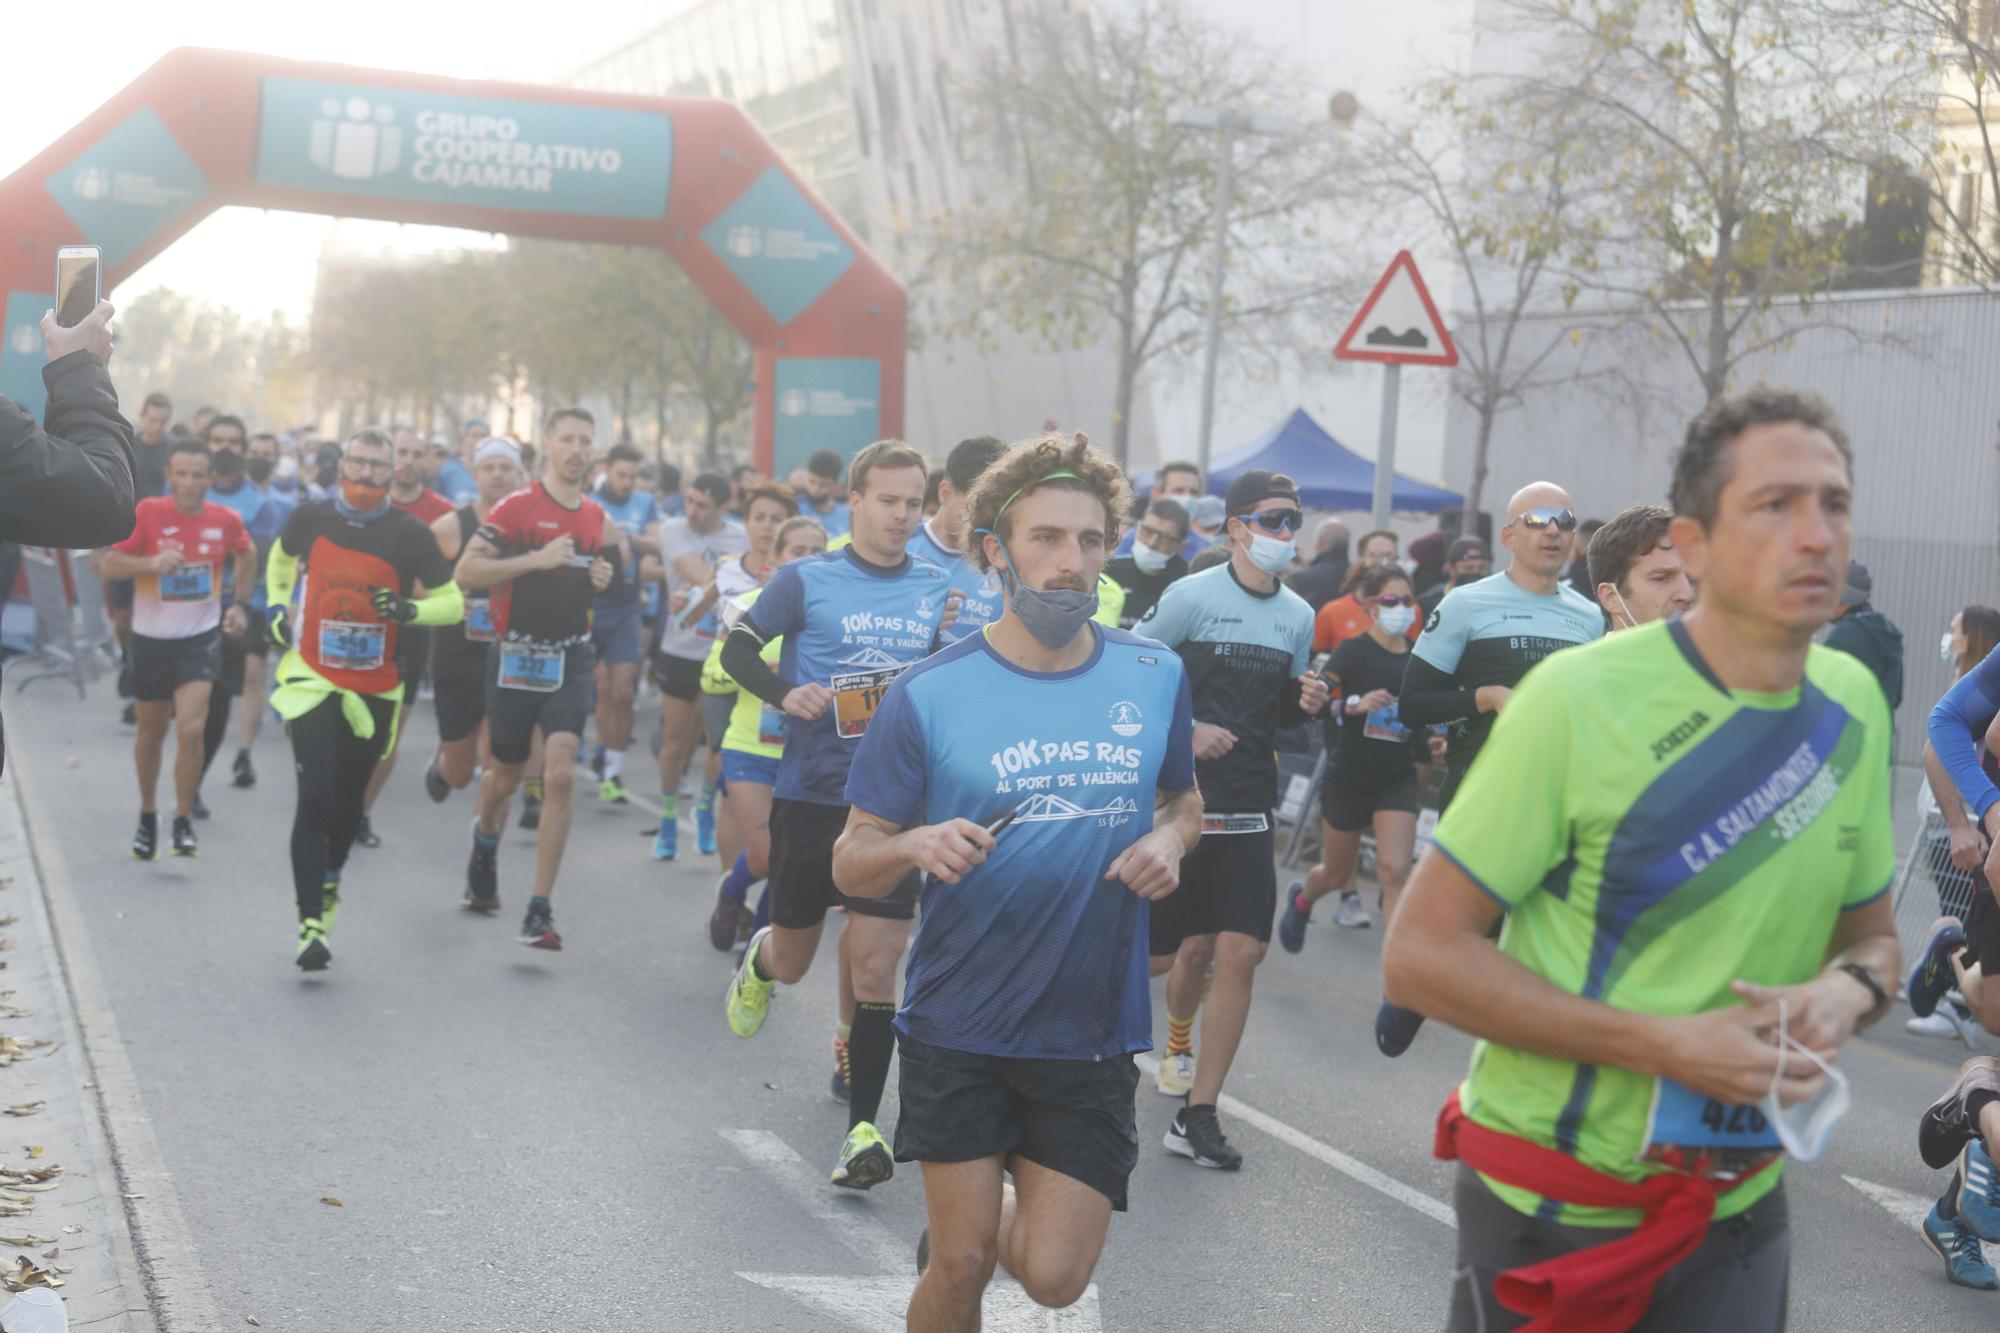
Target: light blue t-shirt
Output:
[(263, 513), (838, 521), (455, 483), (639, 512), (842, 619), (1034, 954), (984, 597)]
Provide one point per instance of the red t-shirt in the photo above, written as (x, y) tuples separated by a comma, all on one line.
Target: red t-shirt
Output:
[(546, 606), (188, 601), (429, 506)]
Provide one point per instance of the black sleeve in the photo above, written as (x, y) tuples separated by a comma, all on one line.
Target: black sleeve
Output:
[(71, 484), (1290, 714), (1430, 696), (743, 659)]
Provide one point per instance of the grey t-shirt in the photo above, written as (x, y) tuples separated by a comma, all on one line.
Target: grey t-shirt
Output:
[(677, 539)]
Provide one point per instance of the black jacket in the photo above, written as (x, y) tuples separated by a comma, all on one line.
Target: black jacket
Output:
[(1319, 582), (1869, 635), (71, 484), (1142, 590)]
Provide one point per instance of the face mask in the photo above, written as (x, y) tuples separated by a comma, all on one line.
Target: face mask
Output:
[(1631, 621), (228, 463), (1397, 619), (1944, 650), (1806, 1128), (1147, 559), (1271, 554), (288, 466), (258, 468), (362, 497), (1053, 615)]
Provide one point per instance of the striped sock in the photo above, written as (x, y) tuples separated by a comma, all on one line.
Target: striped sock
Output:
[(1180, 1036), (531, 788), (670, 805)]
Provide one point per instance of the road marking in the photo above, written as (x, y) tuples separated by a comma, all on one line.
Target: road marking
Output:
[(1355, 1170), (1905, 1207), (846, 1212)]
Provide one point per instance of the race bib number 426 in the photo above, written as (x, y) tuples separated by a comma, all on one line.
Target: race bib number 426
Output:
[(856, 696)]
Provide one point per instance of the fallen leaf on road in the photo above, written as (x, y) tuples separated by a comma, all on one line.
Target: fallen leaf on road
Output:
[(53, 1252), (24, 1108), (72, 1231), (34, 1150), (26, 1242), (25, 1275), (330, 1199), (251, 1320)]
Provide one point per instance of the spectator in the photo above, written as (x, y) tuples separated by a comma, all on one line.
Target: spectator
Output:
[(1345, 616), (1154, 562), (1863, 632), (1636, 575), (1577, 575), (1467, 562), (1320, 582)]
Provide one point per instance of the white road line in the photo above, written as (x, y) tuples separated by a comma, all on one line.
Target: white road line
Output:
[(849, 1217), (1358, 1171), (1909, 1209)]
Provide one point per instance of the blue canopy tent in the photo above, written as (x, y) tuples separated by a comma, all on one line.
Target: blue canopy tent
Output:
[(1330, 476)]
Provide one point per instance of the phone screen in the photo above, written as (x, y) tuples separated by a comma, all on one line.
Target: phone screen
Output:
[(76, 288)]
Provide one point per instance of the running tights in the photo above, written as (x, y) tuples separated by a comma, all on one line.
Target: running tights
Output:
[(334, 766)]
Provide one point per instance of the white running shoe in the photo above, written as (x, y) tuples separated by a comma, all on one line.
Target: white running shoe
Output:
[(1350, 912)]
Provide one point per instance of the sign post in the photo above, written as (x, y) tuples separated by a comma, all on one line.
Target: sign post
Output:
[(1398, 325)]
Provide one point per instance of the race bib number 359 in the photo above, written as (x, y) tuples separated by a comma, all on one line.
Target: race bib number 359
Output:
[(856, 696)]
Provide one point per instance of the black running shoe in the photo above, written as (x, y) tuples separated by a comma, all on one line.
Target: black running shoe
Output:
[(538, 928), (482, 875), (200, 810), (365, 835), (146, 842), (722, 921), (1197, 1135), (435, 786), (130, 717), (1395, 1028), (531, 812), (246, 772), (1946, 1127), (184, 836)]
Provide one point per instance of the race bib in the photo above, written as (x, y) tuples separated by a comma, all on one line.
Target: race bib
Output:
[(1234, 824), (1385, 724), (1693, 1133), (189, 583), (856, 696), (771, 726), (350, 645), (531, 666), (479, 620)]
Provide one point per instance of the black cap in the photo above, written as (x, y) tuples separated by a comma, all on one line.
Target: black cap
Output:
[(1257, 485)]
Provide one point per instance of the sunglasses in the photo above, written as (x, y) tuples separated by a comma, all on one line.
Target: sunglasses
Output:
[(1395, 599), (1275, 520), (1543, 515)]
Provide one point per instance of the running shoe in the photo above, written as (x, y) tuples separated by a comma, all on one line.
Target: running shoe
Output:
[(1978, 1190), (313, 953), (597, 762), (365, 834), (1932, 976), (1174, 1076), (1938, 1024), (840, 1070), (531, 812), (329, 903), (245, 771), (1964, 1261), (1947, 1125), (538, 928), (1298, 915), (865, 1160), (611, 791), (1396, 1028), (146, 841), (130, 717), (749, 994), (1350, 913), (666, 841), (482, 875), (1196, 1134), (435, 786), (704, 829), (184, 837), (722, 921), (200, 810)]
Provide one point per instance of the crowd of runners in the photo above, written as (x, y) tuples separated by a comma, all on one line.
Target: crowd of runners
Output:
[(1018, 732)]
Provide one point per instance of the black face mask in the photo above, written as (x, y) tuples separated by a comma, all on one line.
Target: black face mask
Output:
[(259, 469), (227, 463)]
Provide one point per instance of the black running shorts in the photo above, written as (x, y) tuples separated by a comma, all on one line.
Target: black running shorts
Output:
[(161, 666), (677, 677), (1349, 806), (512, 714), (802, 838), (458, 688), (1982, 927), (1228, 882), (1075, 1117)]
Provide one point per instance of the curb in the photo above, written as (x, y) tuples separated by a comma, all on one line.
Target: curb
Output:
[(168, 1275)]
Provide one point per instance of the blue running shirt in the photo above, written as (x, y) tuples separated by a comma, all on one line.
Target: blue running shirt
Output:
[(639, 512), (984, 597), (842, 617), (1034, 954)]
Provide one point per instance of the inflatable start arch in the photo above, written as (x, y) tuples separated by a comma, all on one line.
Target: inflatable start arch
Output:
[(694, 177)]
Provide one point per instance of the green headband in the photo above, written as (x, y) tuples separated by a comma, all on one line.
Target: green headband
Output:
[(1036, 482)]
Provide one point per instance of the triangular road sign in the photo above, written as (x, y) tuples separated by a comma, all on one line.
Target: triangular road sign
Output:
[(1398, 322)]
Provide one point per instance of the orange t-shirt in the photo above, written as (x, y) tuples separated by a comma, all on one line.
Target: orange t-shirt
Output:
[(1342, 619)]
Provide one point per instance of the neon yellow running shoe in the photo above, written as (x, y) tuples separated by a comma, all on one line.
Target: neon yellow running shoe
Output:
[(865, 1160), (313, 953), (329, 903), (749, 995)]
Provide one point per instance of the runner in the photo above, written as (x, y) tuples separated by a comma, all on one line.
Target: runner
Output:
[(1961, 1129), (260, 465), (851, 619), (263, 517), (1011, 1069), (975, 592), (690, 547), (459, 664), (818, 498), (1372, 759), (150, 449), (1245, 638), (1635, 571), (615, 631), (540, 551), (357, 563), (1686, 830), (175, 558)]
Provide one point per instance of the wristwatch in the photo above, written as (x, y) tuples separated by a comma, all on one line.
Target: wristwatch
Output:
[(1864, 974)]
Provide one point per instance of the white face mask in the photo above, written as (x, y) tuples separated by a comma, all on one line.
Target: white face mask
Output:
[(1147, 559), (1631, 621), (1805, 1129), (1944, 650), (1270, 554), (1397, 619)]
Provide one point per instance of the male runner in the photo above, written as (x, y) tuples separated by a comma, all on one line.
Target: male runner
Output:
[(975, 589), (260, 464), (615, 631), (1246, 639), (1084, 735), (1686, 829), (459, 653), (1636, 572), (818, 498), (690, 546), (263, 517), (150, 447), (456, 480), (539, 550), (358, 562), (851, 619), (175, 556)]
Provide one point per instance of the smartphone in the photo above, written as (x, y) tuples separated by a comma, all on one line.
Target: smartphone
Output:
[(993, 829), (79, 283)]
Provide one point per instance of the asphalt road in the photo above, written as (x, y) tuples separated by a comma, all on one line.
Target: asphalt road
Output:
[(528, 1141)]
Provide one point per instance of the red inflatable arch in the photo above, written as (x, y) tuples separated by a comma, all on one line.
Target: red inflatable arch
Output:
[(203, 129)]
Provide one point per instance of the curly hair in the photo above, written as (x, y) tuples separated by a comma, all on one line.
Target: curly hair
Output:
[(776, 492), (1025, 468)]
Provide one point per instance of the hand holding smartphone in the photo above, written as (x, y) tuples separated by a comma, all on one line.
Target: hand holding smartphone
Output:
[(79, 283)]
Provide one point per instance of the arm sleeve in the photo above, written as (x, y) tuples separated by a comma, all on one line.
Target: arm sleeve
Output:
[(779, 609), (1167, 622), (1959, 722), (743, 659), (1177, 770), (1509, 825), (887, 779), (1431, 696), (71, 484), (281, 573)]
